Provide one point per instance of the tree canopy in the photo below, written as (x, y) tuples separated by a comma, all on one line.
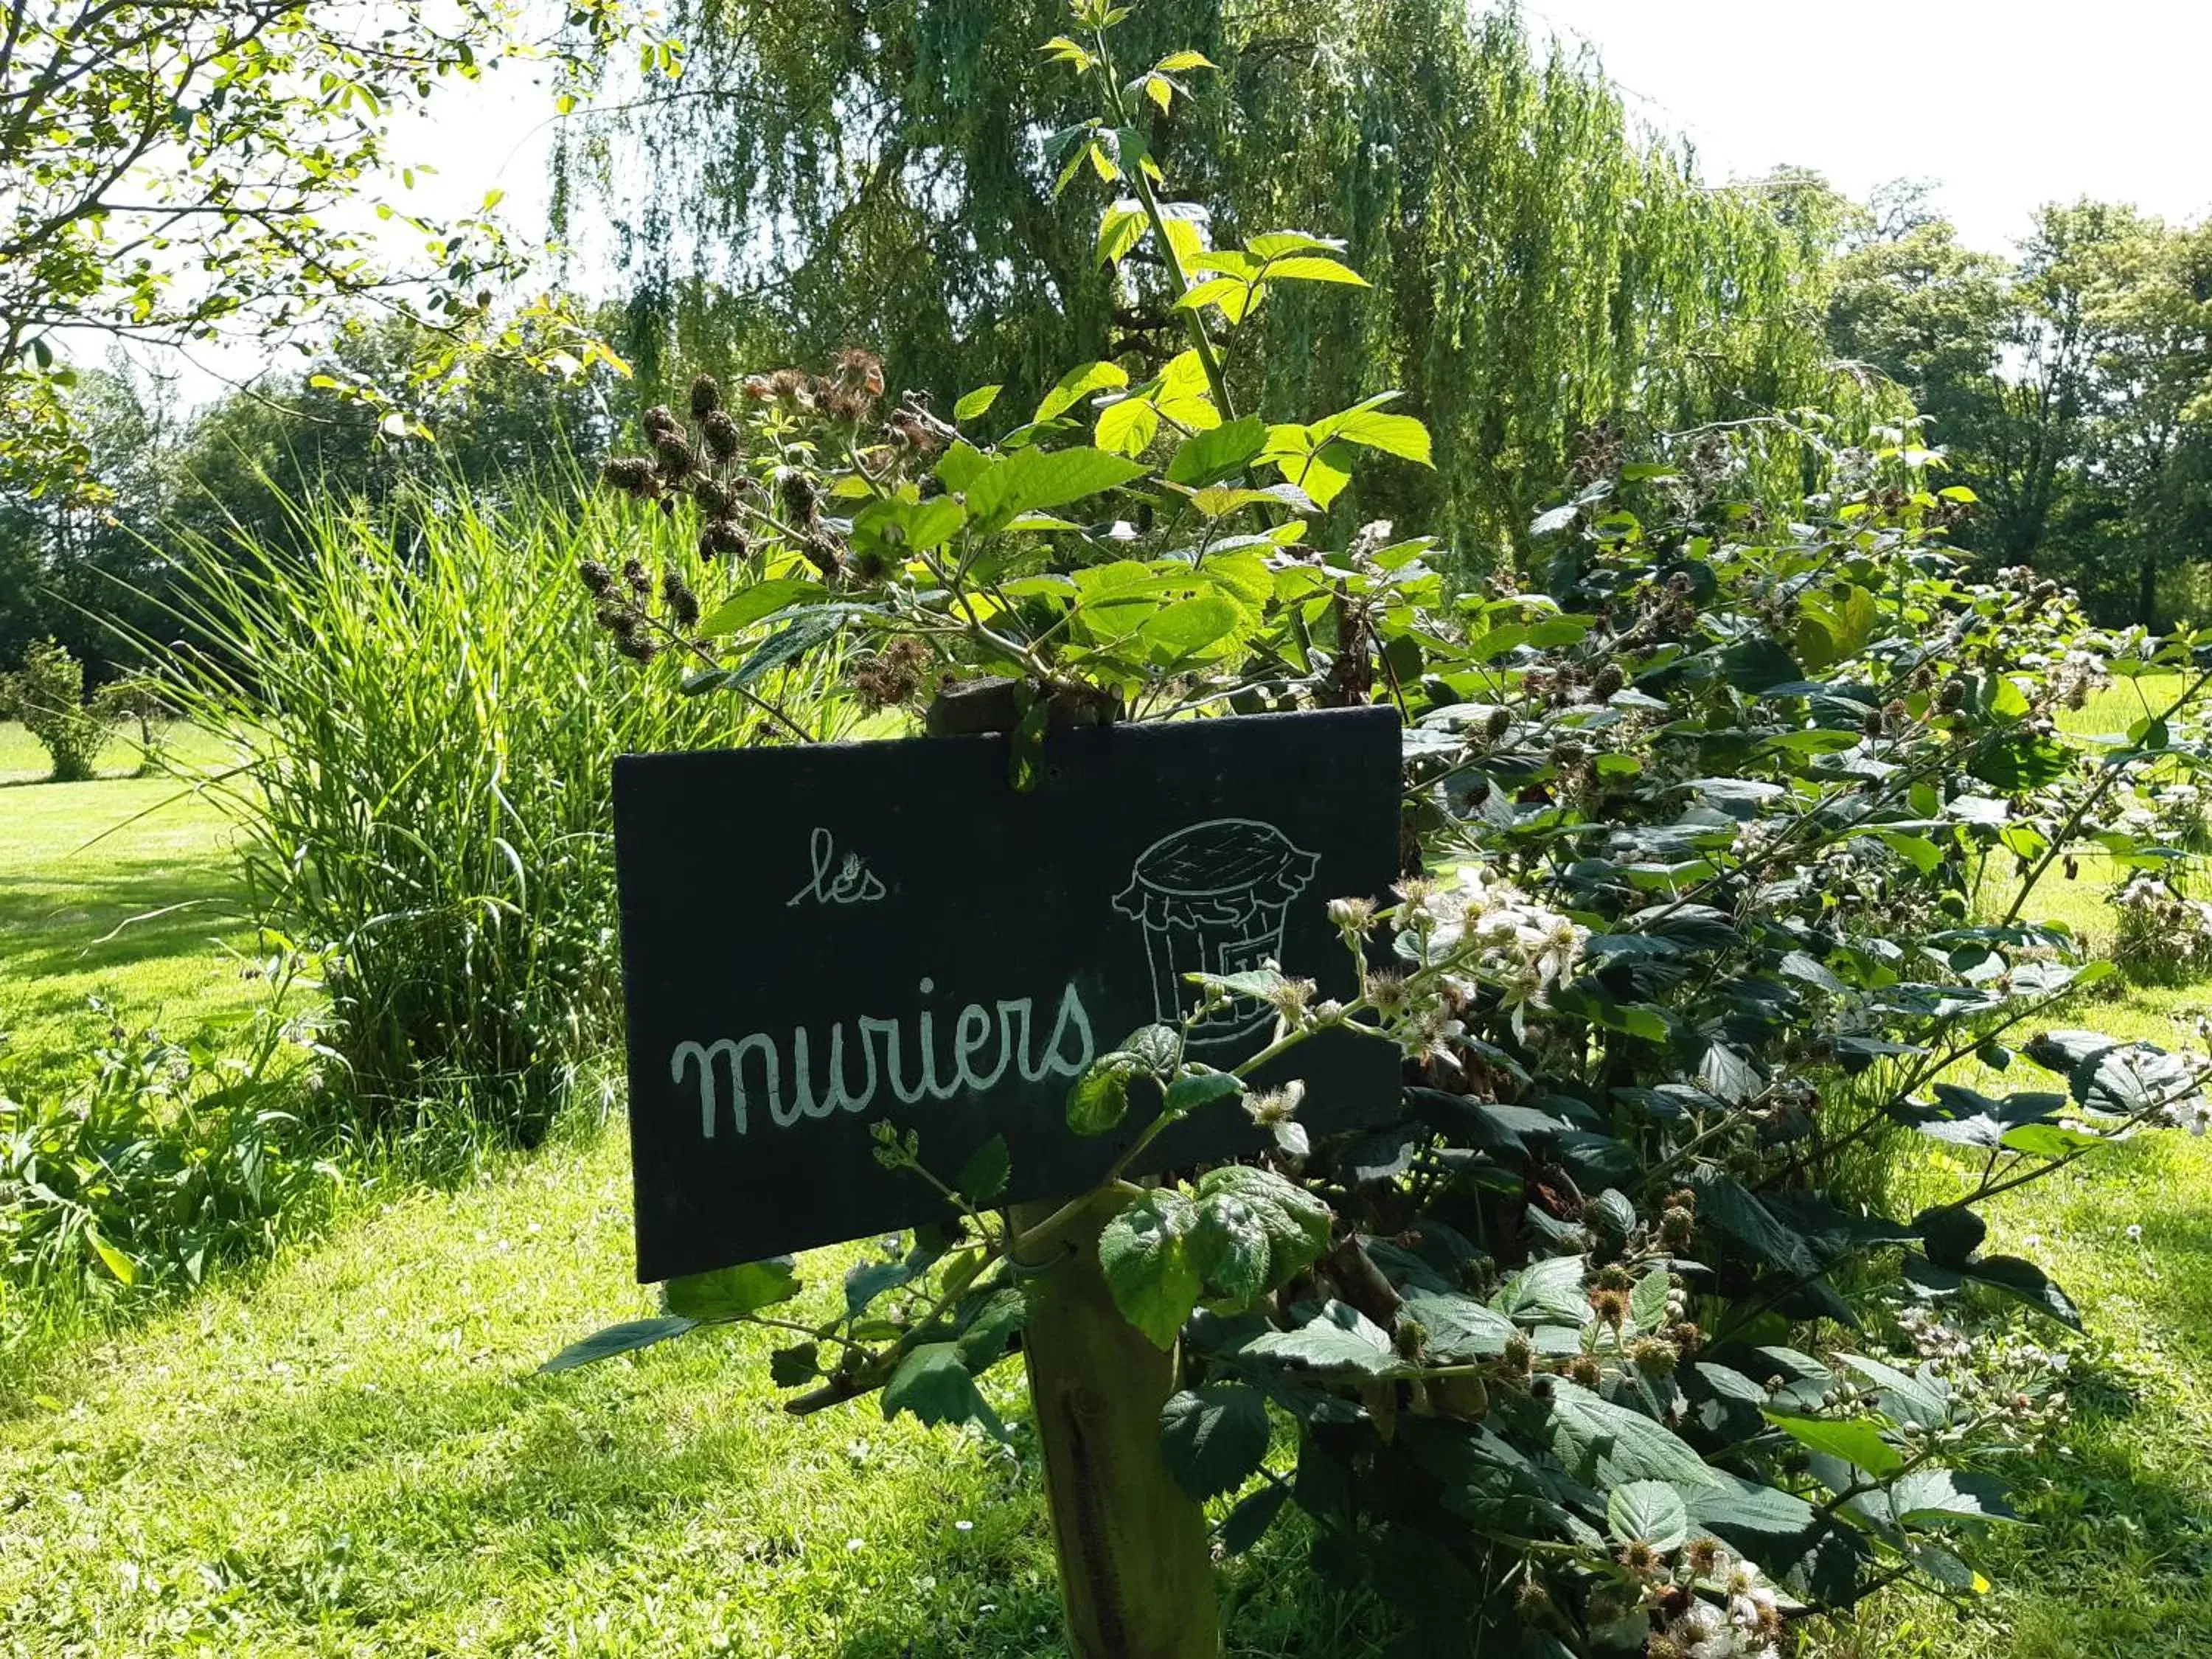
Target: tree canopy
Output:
[(884, 175), (176, 170)]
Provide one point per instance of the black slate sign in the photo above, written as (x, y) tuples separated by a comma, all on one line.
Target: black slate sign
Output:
[(817, 939)]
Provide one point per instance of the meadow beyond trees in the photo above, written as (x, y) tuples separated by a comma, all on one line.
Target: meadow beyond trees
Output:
[(1772, 1227)]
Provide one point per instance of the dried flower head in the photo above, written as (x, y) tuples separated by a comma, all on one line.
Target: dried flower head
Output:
[(723, 438), (720, 536), (599, 581), (632, 475), (706, 397), (675, 593)]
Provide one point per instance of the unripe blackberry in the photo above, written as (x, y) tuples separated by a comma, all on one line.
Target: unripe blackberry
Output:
[(599, 581), (1610, 680), (1584, 1370), (706, 397)]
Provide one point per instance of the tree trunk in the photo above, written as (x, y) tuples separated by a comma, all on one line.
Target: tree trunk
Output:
[(2147, 590), (1136, 1576)]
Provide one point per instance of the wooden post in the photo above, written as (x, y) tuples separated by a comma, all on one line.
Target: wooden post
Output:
[(1136, 1573)]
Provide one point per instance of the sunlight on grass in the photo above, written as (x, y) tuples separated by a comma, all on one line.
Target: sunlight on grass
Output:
[(120, 889), (355, 1457)]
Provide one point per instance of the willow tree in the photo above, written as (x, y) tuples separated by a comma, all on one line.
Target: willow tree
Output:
[(882, 173)]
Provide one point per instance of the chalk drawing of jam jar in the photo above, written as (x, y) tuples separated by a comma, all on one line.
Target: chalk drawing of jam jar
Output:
[(1213, 898)]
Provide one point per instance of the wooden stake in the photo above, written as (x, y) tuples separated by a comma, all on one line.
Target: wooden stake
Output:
[(1136, 1572)]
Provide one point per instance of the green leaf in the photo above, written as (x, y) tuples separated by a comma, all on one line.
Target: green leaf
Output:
[(624, 1338), (1857, 1440), (1176, 62), (1724, 1202), (1610, 1446), (124, 1269), (1229, 1246), (1078, 384), (787, 644), (983, 1176), (1210, 456), (1549, 1291), (1646, 1302), (1202, 1086), (1649, 1511), (1908, 1399), (1318, 268), (749, 604), (996, 1318), (1189, 626), (1032, 478), (1144, 1255), (1100, 1098), (1338, 1338), (1158, 1046), (867, 1280), (1120, 228), (1213, 1439), (1459, 1328), (932, 1384), (1298, 1225), (1935, 1498), (1248, 1522), (1126, 428), (1394, 434), (960, 466), (1950, 1233), (795, 1366), (731, 1292), (976, 403)]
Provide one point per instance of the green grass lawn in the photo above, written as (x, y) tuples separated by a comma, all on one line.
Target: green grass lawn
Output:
[(116, 889), (348, 1453)]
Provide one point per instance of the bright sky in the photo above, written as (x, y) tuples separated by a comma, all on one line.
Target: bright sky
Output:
[(2003, 103)]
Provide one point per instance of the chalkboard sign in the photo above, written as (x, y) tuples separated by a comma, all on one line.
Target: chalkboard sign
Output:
[(817, 939)]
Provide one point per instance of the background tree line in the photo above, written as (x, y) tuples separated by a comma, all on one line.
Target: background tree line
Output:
[(1555, 284)]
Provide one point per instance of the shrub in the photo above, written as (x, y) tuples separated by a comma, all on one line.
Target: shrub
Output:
[(425, 795), (47, 696), (168, 1162), (1599, 1347)]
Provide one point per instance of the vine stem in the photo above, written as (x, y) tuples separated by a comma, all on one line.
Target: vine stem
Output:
[(1178, 283)]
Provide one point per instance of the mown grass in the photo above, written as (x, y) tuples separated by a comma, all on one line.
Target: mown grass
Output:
[(349, 1453), (2117, 1559), (117, 890), (355, 1457)]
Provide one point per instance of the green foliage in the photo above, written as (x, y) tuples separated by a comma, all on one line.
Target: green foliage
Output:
[(424, 793), (47, 695), (174, 169), (1553, 279), (1703, 820), (2071, 387), (167, 1162)]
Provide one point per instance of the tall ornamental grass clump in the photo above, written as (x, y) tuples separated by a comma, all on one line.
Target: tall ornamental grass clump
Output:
[(423, 792)]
